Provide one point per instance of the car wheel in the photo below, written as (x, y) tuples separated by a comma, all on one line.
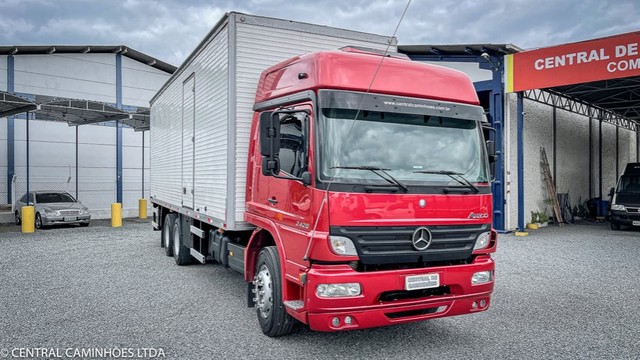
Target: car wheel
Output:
[(180, 252), (167, 233), (17, 215), (272, 315), (38, 221), (615, 226)]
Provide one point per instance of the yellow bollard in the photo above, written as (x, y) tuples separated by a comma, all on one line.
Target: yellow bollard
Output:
[(142, 208), (28, 219), (116, 215)]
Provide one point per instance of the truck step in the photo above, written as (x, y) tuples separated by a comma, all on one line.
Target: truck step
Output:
[(294, 304)]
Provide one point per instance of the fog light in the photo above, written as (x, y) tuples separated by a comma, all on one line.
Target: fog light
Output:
[(481, 277), (483, 303), (338, 290), (474, 305), (335, 322), (441, 309), (348, 320)]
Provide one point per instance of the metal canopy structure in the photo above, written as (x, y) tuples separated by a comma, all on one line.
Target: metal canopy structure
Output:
[(74, 112), (88, 49), (11, 104)]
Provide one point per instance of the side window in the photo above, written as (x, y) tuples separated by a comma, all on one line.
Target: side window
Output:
[(293, 144)]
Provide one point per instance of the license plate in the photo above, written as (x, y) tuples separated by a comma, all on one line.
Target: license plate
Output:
[(426, 281), (70, 218), (636, 223)]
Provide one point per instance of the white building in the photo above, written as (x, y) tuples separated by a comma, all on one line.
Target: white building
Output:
[(114, 75)]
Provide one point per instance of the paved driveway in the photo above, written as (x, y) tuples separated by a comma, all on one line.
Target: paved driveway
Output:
[(569, 292)]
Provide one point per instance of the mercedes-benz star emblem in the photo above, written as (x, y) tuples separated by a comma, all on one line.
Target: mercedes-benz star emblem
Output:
[(422, 203), (421, 238)]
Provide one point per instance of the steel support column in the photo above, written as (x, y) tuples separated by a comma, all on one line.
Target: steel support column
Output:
[(617, 152), (142, 197), (555, 145), (520, 146), (600, 159), (118, 129), (77, 162), (590, 157), (28, 165), (496, 117), (11, 166)]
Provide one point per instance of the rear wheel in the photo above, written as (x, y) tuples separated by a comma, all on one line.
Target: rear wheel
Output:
[(17, 215), (167, 233), (272, 314), (180, 252)]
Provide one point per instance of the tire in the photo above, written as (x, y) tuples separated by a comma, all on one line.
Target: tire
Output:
[(167, 233), (181, 253), (38, 221), (272, 315), (615, 226), (17, 218)]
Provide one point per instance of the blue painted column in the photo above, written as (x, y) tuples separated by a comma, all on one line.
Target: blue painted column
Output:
[(118, 129), (496, 109), (11, 166), (520, 146)]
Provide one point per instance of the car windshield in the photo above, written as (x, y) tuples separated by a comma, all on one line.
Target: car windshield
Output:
[(54, 198), (415, 149), (629, 184)]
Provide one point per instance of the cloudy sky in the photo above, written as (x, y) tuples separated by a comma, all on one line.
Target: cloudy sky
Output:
[(170, 29)]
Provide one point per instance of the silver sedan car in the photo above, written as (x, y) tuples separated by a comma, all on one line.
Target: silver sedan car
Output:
[(53, 207)]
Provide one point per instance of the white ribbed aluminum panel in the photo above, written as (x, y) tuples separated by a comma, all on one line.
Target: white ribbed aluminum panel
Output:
[(243, 46)]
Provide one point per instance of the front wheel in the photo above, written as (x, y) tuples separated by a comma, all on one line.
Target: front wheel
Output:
[(38, 221), (272, 314), (615, 226), (17, 214)]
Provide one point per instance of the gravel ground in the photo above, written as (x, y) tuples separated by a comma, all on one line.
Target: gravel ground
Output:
[(568, 292)]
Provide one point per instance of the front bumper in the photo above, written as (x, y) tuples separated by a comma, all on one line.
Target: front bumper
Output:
[(368, 310), (625, 218), (54, 220)]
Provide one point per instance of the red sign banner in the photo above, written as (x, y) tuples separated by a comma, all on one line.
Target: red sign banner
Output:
[(612, 57)]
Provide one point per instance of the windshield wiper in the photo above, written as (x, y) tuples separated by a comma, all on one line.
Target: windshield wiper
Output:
[(452, 174), (378, 171)]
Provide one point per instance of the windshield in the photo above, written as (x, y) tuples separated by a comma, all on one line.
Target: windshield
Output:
[(629, 184), (54, 198), (407, 146)]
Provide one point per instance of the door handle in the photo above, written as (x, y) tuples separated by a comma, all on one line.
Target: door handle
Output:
[(273, 201)]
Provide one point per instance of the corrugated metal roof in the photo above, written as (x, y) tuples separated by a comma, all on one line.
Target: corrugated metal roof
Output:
[(460, 49), (91, 49)]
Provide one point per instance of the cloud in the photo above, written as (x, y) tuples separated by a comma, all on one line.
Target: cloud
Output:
[(171, 29)]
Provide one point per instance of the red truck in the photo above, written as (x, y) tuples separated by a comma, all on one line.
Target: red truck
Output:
[(356, 195)]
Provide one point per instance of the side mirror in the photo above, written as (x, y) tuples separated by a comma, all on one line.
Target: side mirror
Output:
[(306, 178), (612, 192), (270, 143), (491, 152)]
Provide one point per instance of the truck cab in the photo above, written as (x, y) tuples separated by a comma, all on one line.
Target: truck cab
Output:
[(625, 198), (371, 176)]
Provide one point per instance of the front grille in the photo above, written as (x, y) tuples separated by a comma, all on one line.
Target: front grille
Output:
[(413, 294), (409, 313), (69, 212), (377, 245)]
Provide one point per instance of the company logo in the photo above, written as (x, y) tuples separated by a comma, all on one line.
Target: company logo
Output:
[(421, 239), (422, 203), (477, 216)]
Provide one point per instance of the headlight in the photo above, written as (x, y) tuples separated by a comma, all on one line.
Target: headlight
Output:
[(618, 207), (338, 290), (342, 246), (51, 213), (481, 277), (84, 212), (482, 241)]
